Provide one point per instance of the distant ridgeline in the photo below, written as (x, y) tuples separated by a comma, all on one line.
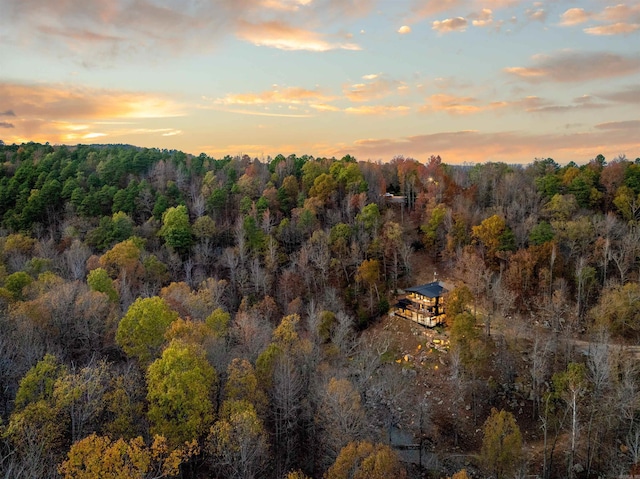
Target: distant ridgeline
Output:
[(214, 305)]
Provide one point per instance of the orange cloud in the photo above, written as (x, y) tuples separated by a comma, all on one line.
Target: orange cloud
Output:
[(573, 66), (62, 113), (62, 101), (404, 29), (457, 24), (451, 104), (276, 34)]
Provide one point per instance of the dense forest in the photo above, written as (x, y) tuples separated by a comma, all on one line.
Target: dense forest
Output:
[(171, 315)]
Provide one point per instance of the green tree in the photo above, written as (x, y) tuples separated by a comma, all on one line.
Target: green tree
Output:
[(218, 322), (141, 331), (204, 228), (501, 451), (176, 229), (541, 233), (464, 336), (369, 217), (181, 385), (433, 231), (16, 282), (37, 426), (324, 186), (99, 280), (38, 383)]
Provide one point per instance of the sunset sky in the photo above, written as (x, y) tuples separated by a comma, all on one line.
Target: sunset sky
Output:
[(470, 80)]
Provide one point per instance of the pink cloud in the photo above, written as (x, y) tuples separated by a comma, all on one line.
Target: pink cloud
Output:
[(613, 29), (512, 146), (574, 16), (482, 18)]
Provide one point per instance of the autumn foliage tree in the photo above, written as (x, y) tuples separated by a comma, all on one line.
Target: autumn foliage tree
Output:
[(364, 460), (501, 444), (101, 457)]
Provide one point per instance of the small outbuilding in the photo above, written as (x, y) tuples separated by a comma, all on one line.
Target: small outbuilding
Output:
[(423, 304)]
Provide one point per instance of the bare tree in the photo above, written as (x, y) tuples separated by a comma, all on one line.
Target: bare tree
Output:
[(286, 405), (76, 257)]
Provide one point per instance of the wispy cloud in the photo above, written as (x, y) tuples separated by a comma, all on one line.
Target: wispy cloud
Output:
[(7, 113), (266, 113), (536, 14), (286, 5), (428, 8), (276, 34), (377, 110), (5, 124), (287, 95), (619, 125), (376, 88), (628, 95), (103, 30), (324, 107), (455, 105), (574, 66)]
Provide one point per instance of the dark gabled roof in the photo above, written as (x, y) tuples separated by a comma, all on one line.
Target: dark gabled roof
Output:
[(429, 290)]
